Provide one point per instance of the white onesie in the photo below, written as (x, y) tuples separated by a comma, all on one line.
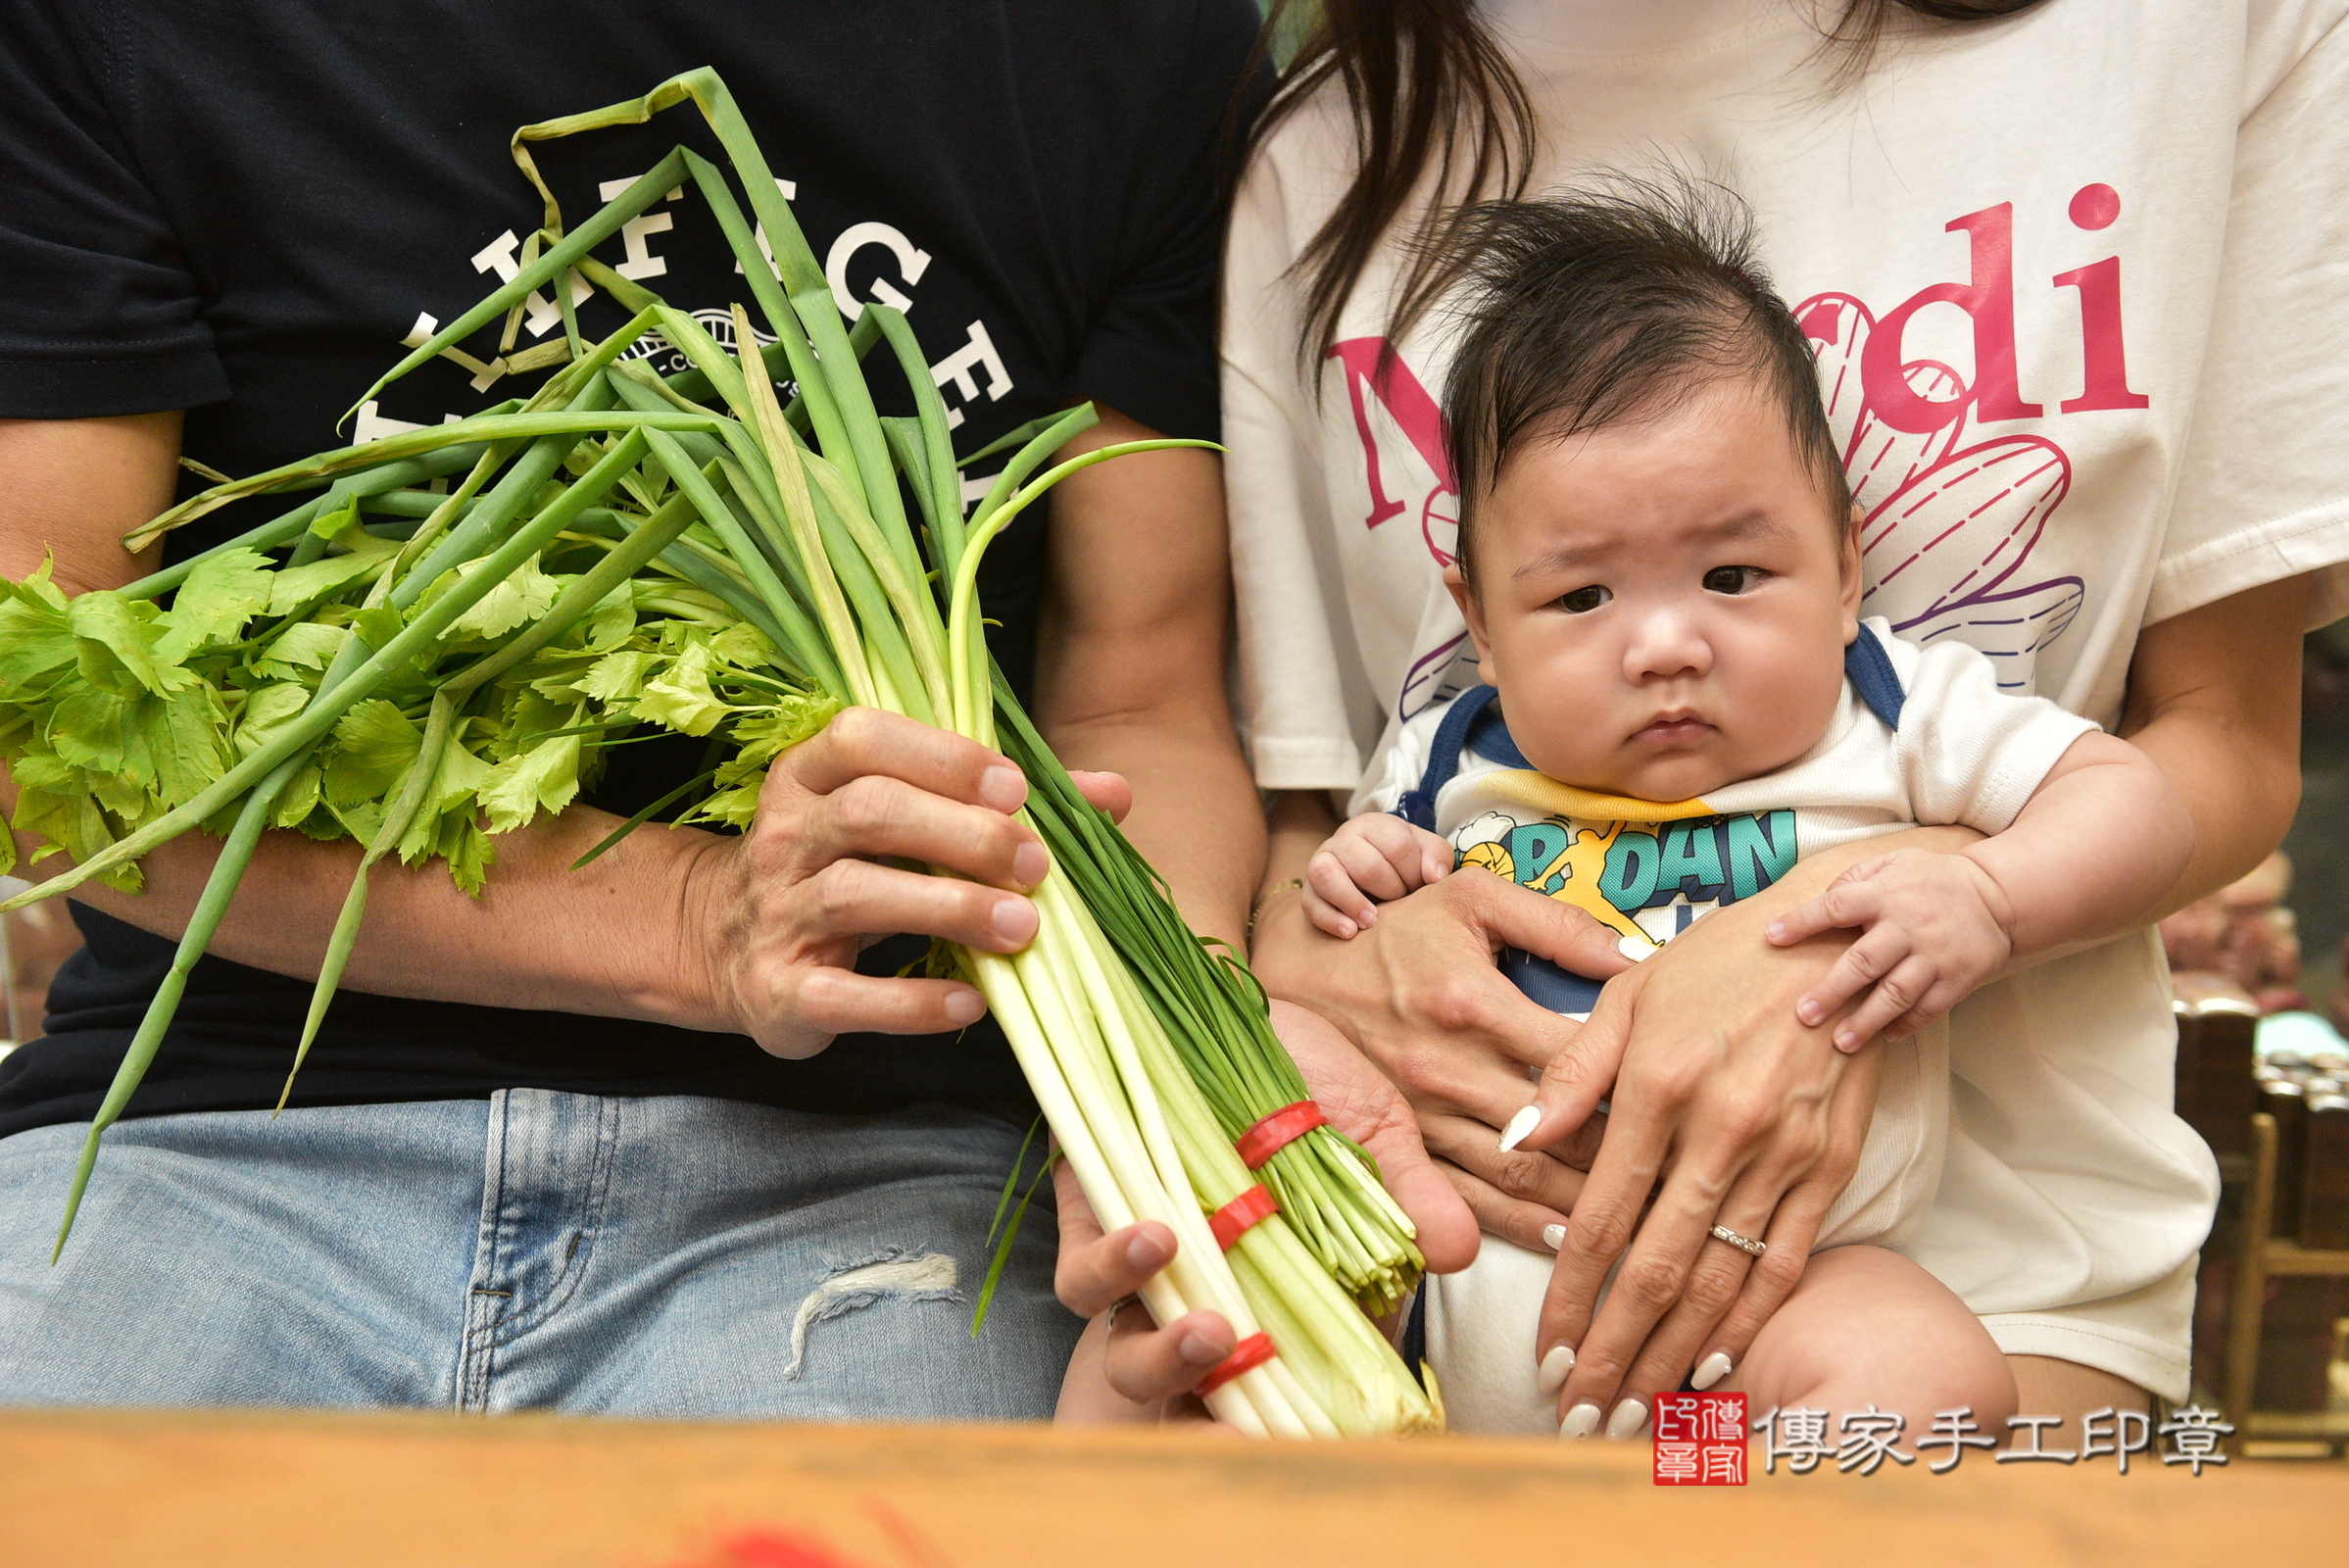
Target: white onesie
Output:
[(1921, 736)]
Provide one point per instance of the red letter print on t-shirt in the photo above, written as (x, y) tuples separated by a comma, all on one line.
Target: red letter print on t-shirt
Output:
[(1949, 527), (1377, 378)]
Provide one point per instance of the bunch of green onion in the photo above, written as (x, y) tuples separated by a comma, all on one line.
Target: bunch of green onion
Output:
[(422, 669)]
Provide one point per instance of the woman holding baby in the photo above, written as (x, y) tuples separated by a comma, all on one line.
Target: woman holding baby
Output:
[(2063, 287)]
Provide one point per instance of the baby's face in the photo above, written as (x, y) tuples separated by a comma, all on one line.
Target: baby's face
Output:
[(1664, 605)]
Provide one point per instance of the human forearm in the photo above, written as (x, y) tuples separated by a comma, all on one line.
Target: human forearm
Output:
[(1196, 815), (2239, 794), (2213, 699), (1129, 665), (603, 940), (2093, 854)]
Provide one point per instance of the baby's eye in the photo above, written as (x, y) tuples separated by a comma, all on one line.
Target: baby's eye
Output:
[(1731, 579), (1583, 601)]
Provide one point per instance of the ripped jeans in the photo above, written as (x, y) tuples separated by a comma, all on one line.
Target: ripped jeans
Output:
[(658, 1256)]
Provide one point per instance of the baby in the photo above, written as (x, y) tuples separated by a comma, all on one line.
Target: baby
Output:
[(1659, 564)]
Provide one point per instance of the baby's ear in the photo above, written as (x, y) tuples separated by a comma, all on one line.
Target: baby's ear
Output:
[(1473, 612), (1853, 582)]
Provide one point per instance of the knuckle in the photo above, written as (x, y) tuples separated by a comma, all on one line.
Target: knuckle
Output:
[(1833, 1160), (1603, 1232), (1600, 1366), (1453, 1005), (816, 998), (837, 888), (1711, 1291), (868, 806), (1653, 1282), (1522, 1176), (1779, 1271), (1746, 1122), (854, 730), (1664, 1083)]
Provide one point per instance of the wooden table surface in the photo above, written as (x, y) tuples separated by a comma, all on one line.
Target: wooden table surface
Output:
[(192, 1490)]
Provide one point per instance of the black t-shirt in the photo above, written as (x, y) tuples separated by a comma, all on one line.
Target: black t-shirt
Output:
[(242, 207)]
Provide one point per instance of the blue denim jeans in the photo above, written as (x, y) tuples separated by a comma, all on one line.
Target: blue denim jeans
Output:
[(670, 1256)]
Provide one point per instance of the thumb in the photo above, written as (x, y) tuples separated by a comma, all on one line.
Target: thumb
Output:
[(1550, 929), (1109, 792)]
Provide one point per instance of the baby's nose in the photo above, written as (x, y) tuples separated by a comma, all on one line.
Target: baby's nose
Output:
[(1664, 643)]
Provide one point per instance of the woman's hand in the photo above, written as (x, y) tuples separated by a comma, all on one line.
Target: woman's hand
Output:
[(1748, 1117), (1151, 1369), (1419, 995), (778, 915)]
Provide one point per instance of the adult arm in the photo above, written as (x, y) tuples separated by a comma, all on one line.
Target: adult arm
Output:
[(755, 934), (2214, 698), (1130, 665)]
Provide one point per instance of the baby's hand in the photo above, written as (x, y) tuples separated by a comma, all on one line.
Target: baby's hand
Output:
[(1372, 857), (1936, 927)]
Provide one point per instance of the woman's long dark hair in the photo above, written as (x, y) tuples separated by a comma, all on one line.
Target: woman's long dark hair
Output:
[(1431, 92)]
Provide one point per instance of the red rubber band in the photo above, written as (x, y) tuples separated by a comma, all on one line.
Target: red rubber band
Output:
[(1253, 1352), (1232, 1221), (1278, 1131)]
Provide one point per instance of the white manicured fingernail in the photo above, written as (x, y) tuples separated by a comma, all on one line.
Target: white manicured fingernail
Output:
[(1519, 1125), (1628, 1421), (1555, 1367), (1709, 1371), (1554, 1237), (1635, 947), (1579, 1422)]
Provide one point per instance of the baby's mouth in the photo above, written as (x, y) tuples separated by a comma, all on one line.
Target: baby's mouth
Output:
[(1671, 731)]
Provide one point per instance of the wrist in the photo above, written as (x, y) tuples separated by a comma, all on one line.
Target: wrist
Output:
[(687, 900), (1266, 894), (1982, 859), (1278, 923)]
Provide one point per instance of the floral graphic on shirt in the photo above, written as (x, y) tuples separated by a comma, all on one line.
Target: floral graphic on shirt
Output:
[(1949, 525)]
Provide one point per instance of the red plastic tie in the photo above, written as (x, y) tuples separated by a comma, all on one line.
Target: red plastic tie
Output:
[(1278, 1131), (1253, 1352), (1232, 1221)]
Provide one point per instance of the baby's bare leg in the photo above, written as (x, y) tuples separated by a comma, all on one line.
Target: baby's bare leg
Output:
[(1866, 1326)]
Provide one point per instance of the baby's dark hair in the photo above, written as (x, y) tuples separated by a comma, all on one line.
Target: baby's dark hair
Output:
[(1611, 303)]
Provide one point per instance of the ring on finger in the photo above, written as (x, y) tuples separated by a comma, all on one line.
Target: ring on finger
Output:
[(1109, 1318), (1744, 1244)]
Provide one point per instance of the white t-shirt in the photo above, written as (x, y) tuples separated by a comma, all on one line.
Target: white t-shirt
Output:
[(2077, 284)]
